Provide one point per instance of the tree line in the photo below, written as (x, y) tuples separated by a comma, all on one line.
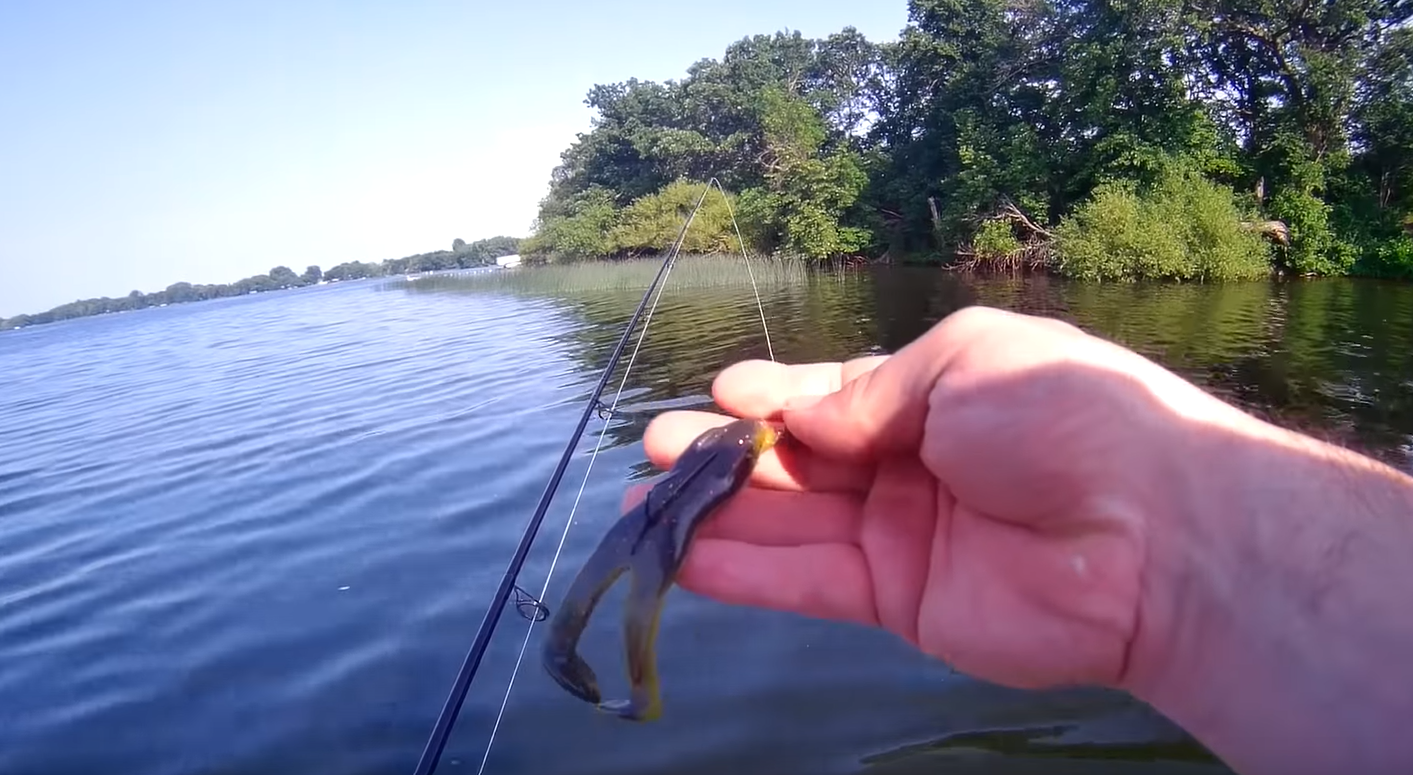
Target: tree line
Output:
[(1198, 139), (463, 255)]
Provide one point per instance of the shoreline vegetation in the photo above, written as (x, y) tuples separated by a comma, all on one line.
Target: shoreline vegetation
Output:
[(1215, 140), (462, 255), (690, 271)]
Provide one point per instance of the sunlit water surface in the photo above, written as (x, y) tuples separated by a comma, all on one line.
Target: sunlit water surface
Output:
[(257, 534)]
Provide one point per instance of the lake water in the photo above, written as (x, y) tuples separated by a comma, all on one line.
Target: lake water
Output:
[(256, 535)]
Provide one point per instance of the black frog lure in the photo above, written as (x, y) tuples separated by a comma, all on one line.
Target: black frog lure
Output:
[(650, 542)]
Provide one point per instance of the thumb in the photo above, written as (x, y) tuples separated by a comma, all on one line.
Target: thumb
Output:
[(884, 410), (879, 412)]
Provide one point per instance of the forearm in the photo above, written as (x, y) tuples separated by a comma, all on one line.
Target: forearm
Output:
[(1277, 622)]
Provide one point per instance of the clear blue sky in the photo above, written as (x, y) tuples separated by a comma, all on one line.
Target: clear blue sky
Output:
[(143, 143)]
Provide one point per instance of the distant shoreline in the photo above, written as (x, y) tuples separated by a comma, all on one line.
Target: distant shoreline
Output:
[(463, 255)]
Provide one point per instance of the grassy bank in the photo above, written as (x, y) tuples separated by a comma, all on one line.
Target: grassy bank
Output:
[(715, 270)]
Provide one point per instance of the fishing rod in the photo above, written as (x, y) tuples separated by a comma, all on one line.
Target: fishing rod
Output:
[(436, 743)]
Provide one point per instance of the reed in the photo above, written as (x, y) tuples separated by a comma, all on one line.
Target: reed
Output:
[(688, 272)]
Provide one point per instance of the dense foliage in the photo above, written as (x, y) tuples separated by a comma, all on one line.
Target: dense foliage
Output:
[(1049, 126), (462, 255), (1183, 227)]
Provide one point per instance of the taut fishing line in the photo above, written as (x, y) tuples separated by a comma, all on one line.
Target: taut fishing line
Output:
[(431, 753)]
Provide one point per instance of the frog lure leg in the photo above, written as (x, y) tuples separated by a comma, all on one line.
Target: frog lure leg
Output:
[(650, 543)]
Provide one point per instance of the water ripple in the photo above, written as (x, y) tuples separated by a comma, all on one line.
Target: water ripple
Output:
[(257, 534)]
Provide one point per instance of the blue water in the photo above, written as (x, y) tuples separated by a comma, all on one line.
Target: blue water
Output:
[(229, 524), (257, 535)]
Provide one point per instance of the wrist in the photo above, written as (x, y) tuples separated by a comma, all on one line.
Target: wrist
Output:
[(1277, 571)]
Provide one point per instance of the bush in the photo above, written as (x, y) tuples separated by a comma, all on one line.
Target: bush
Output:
[(995, 240), (1391, 259), (582, 233), (1314, 248), (591, 225), (1185, 227), (651, 223)]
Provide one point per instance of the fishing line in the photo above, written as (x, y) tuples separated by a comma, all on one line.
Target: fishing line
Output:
[(436, 743), (554, 561), (432, 752), (747, 258), (598, 446)]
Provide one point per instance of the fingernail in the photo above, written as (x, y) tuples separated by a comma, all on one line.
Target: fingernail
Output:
[(796, 403)]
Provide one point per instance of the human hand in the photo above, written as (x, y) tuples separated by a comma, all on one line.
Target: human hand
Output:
[(987, 493)]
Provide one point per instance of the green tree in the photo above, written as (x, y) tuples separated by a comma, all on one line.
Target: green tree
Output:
[(807, 189), (178, 293), (281, 277), (735, 119)]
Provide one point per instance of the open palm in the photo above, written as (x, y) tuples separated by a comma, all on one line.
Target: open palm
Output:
[(980, 494)]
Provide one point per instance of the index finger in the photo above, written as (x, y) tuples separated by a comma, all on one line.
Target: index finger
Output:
[(784, 466), (760, 388)]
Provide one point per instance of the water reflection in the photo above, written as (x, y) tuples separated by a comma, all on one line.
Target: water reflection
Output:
[(1330, 357), (1042, 750), (1333, 357)]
